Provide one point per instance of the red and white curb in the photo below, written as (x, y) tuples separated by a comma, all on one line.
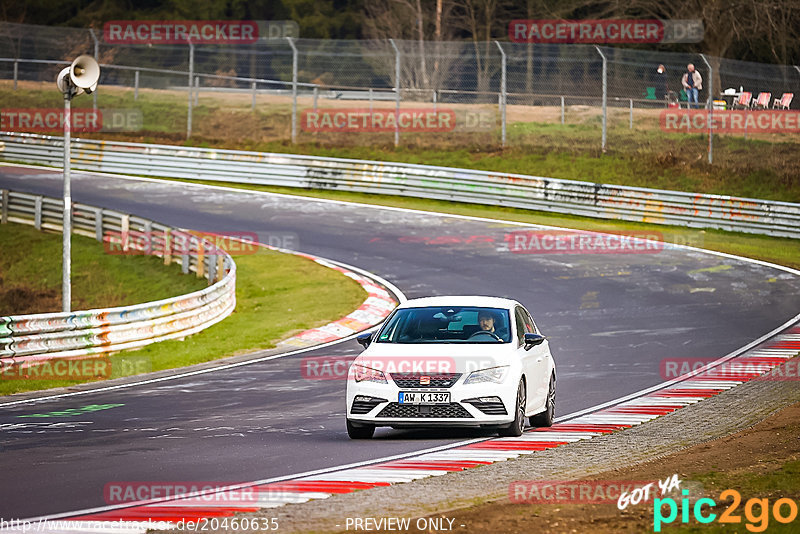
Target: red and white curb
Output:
[(666, 398)]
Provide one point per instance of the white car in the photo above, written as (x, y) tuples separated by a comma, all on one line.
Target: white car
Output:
[(452, 361)]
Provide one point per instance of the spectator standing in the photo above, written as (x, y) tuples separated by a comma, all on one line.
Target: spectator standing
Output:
[(661, 85), (692, 83)]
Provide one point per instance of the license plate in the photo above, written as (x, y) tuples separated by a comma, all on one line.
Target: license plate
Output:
[(418, 397)]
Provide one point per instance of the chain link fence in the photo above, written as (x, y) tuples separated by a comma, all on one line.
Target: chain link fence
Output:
[(313, 90)]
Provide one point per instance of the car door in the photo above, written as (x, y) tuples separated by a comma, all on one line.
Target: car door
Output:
[(540, 363), (527, 358)]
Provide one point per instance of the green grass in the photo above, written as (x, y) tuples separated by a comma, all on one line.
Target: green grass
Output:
[(645, 156), (277, 295), (30, 274), (783, 251)]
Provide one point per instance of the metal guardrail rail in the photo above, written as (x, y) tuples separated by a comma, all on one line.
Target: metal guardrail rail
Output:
[(501, 189), (27, 339)]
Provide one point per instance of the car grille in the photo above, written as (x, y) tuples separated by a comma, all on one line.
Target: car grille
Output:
[(449, 411), (362, 404), (441, 380), (489, 408)]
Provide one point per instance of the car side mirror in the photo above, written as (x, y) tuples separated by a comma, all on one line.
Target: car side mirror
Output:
[(364, 340), (531, 340)]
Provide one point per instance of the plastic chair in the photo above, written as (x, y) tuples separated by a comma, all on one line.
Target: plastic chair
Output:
[(743, 101), (784, 102), (763, 100)]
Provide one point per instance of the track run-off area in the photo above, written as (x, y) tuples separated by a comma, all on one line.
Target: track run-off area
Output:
[(612, 321)]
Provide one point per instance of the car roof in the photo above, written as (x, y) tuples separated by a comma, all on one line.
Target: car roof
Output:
[(461, 300)]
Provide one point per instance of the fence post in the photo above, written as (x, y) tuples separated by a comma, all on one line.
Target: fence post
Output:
[(16, 72), (294, 89), (254, 96), (167, 247), (434, 101), (191, 78), (605, 97), (710, 107), (503, 93), (631, 117), (316, 95), (96, 58), (4, 207), (396, 92), (98, 224), (196, 90), (136, 85), (562, 110), (37, 213)]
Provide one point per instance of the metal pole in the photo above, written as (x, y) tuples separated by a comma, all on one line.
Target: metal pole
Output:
[(294, 89), (605, 96), (196, 89), (503, 93), (631, 117), (191, 77), (66, 288), (254, 96), (96, 56), (710, 107), (396, 92), (316, 95), (562, 110), (434, 101), (136, 85), (16, 72)]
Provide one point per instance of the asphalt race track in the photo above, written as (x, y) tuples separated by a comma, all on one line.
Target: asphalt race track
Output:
[(611, 320)]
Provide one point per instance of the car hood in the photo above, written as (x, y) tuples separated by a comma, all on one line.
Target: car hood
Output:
[(433, 358)]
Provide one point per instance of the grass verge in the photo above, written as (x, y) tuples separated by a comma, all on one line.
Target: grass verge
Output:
[(762, 166), (277, 295)]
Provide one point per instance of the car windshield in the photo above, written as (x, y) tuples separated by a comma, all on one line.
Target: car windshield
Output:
[(447, 324)]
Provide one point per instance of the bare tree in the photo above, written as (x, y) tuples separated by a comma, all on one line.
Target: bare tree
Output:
[(414, 23), (483, 21)]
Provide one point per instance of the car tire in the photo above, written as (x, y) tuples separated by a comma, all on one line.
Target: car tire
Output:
[(359, 431), (518, 425), (545, 418)]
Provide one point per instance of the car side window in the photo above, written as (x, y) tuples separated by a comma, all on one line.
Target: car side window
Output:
[(520, 326), (531, 326)]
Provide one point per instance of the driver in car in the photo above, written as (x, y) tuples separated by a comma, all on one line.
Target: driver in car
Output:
[(486, 321)]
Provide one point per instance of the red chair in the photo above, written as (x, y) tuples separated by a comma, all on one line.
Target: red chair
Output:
[(763, 100), (744, 100), (784, 102)]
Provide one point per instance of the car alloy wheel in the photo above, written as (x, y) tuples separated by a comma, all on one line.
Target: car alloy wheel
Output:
[(515, 428)]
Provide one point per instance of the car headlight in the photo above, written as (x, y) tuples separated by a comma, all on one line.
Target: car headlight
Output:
[(493, 374), (361, 373)]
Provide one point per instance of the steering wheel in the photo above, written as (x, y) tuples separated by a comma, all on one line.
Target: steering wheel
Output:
[(479, 332)]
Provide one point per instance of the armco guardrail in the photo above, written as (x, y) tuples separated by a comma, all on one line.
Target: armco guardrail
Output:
[(514, 190), (26, 339)]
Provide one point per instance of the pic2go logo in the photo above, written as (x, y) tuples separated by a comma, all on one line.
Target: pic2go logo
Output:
[(756, 511)]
